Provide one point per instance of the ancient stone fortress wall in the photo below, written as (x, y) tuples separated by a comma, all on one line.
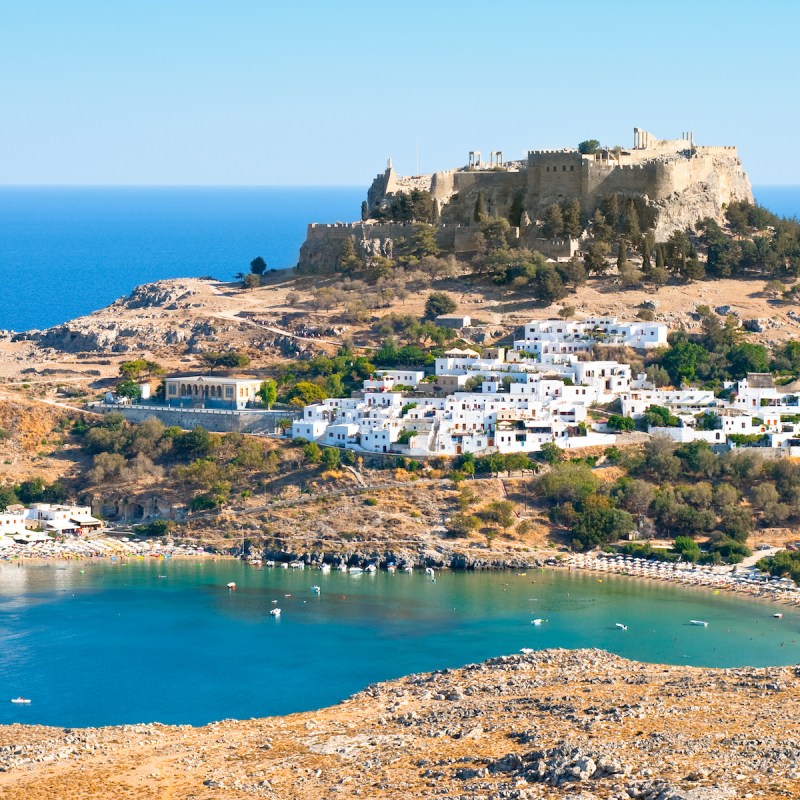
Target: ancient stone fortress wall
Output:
[(686, 182)]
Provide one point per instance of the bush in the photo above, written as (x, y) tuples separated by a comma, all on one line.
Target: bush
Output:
[(439, 303)]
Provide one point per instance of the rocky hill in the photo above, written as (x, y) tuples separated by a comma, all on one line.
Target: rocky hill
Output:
[(673, 182), (578, 725)]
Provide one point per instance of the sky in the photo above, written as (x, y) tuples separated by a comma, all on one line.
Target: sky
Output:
[(322, 92)]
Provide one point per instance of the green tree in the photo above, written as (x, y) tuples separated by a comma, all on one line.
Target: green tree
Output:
[(268, 392), (129, 389), (330, 458), (251, 281), (312, 452), (588, 147), (551, 453), (599, 522), (552, 221), (572, 219), (364, 211), (619, 423), (479, 212), (439, 303), (747, 357), (687, 548), (348, 257), (305, 393), (258, 266), (229, 358)]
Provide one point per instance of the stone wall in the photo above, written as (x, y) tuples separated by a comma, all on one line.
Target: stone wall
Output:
[(217, 420)]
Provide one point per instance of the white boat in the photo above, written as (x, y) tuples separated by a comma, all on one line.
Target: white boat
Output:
[(297, 564), (231, 586), (324, 567), (342, 567), (284, 566), (408, 569), (21, 701), (526, 651), (269, 563), (315, 589), (537, 621), (275, 612), (620, 626), (698, 622), (778, 615), (391, 568), (371, 568), (355, 570)]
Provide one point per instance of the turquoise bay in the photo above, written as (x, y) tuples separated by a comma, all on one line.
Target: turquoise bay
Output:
[(103, 643)]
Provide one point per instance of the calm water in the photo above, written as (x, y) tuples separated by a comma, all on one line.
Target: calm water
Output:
[(119, 644), (68, 251)]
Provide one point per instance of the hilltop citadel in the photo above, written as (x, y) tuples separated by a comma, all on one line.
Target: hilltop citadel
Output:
[(675, 182)]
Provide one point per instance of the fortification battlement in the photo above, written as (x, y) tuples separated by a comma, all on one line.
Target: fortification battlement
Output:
[(560, 152)]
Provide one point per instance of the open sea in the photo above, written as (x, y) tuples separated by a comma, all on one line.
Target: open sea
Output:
[(96, 643), (67, 251)]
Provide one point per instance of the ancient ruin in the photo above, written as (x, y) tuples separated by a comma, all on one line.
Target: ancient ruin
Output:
[(679, 182)]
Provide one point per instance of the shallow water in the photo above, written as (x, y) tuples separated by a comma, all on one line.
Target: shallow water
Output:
[(117, 643)]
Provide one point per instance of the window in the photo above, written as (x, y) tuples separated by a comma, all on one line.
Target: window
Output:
[(229, 391)]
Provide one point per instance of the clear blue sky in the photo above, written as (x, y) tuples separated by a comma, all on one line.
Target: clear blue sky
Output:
[(322, 92)]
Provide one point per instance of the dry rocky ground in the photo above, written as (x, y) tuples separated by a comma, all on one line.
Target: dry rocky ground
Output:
[(553, 724)]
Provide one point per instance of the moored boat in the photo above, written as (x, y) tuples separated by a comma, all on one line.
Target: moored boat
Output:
[(231, 586), (22, 701), (620, 626), (315, 589), (700, 622), (275, 612)]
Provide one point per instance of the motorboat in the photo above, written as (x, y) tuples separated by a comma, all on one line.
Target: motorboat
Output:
[(315, 589), (21, 701), (355, 570), (269, 563), (778, 615), (409, 570), (537, 622), (231, 585), (324, 567), (526, 651), (391, 568), (297, 564), (370, 568), (620, 626), (342, 567), (275, 612), (701, 622)]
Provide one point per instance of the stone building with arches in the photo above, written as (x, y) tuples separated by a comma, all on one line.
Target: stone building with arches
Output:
[(204, 391)]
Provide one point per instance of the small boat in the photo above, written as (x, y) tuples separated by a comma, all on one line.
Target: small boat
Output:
[(370, 568), (526, 651), (698, 622), (254, 562), (620, 626), (269, 563), (297, 564), (315, 589), (537, 621), (324, 567), (231, 586), (778, 615), (355, 570), (21, 701), (391, 568), (284, 566), (275, 612), (409, 570), (342, 567)]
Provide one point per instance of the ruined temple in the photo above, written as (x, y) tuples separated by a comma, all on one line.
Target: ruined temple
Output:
[(678, 181)]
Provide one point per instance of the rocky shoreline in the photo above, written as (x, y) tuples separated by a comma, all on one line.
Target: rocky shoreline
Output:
[(579, 724)]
